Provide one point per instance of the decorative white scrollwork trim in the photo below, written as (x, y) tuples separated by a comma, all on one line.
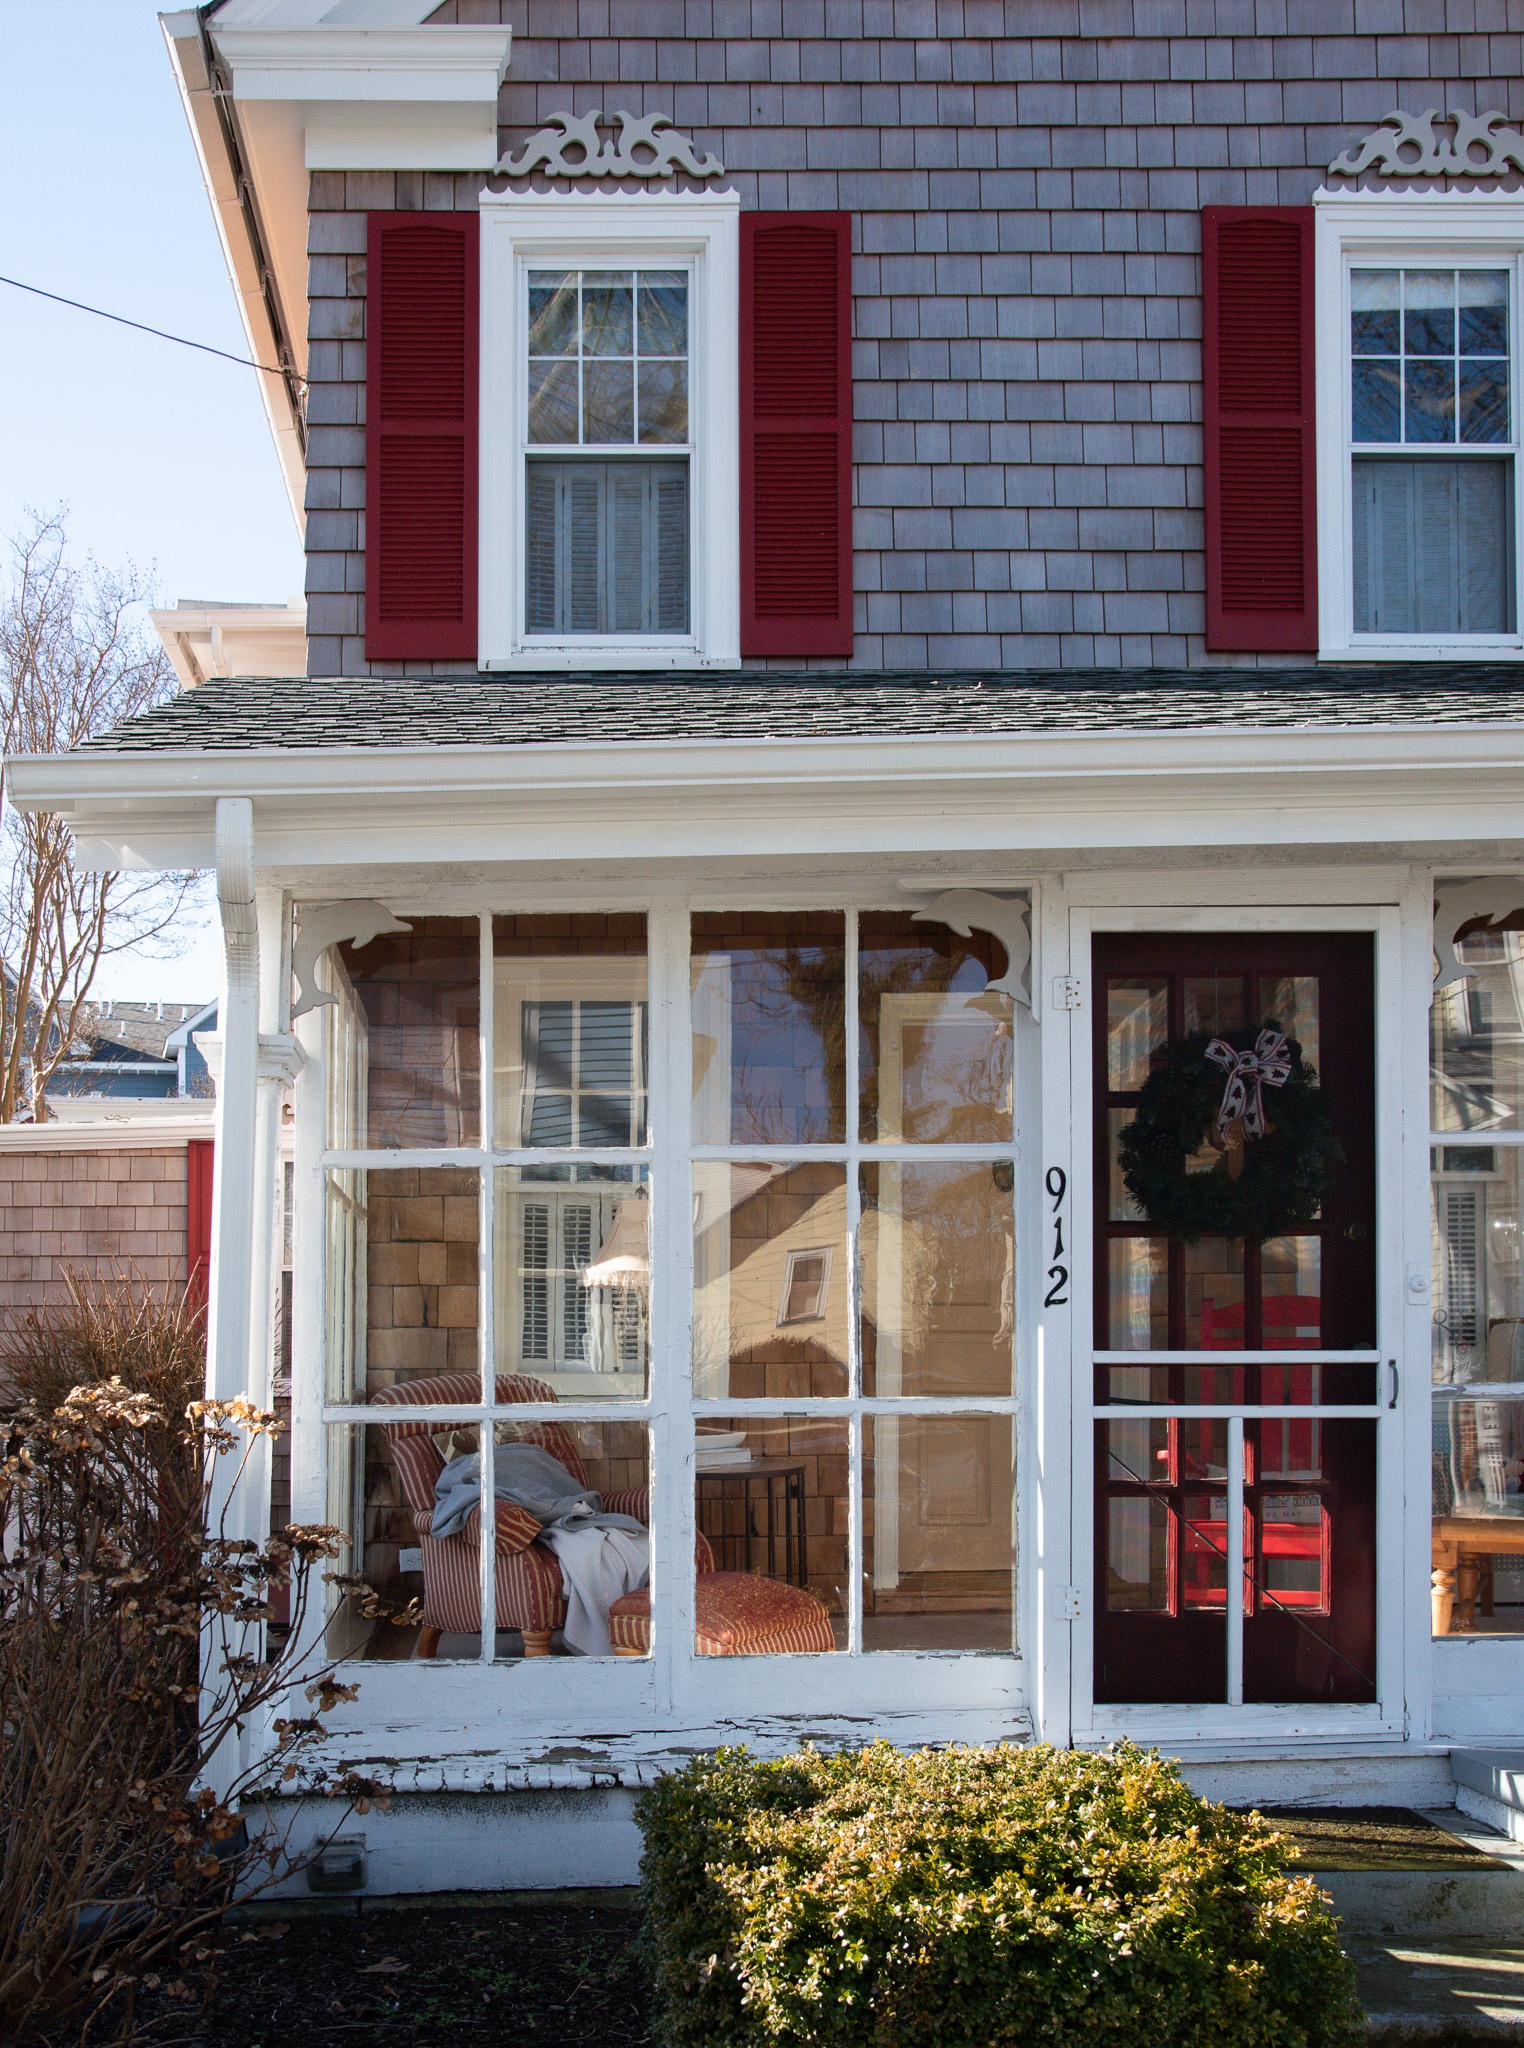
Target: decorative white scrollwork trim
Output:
[(1008, 918), (648, 147), (1406, 146), (1457, 904), (321, 925)]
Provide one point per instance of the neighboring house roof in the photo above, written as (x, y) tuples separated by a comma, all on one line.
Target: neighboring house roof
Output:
[(134, 1030), (531, 710)]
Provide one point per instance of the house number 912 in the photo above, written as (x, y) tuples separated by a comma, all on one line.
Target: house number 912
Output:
[(1057, 1296)]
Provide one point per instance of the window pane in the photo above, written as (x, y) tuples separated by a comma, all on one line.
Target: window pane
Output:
[(664, 402), (608, 402), (1476, 1041), (1139, 1294), (938, 1263), (1137, 1021), (1478, 1544), (1377, 401), (1291, 1293), (770, 1292), (572, 1266), (1433, 546), (552, 312), (1214, 1294), (403, 1042), (771, 1503), (1429, 400), (1375, 312), (935, 1052), (552, 401), (769, 1024), (1483, 296), (1137, 1555), (571, 1024), (608, 313), (1214, 1002), (381, 1494), (402, 1261), (1484, 401), (1291, 1001), (663, 313), (939, 1533), (607, 547), (1478, 1334), (1428, 322)]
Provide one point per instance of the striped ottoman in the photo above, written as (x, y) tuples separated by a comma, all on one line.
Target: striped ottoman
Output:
[(738, 1616)]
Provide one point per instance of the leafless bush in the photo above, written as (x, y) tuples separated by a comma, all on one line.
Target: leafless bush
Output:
[(132, 1657)]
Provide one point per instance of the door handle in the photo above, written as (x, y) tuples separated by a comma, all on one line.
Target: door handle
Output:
[(1392, 1368)]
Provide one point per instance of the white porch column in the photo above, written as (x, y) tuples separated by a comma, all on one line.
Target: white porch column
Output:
[(233, 1195)]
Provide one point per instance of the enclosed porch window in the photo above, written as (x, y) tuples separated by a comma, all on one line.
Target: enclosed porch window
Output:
[(513, 1183)]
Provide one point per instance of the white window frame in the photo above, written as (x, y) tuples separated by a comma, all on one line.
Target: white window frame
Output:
[(1412, 231), (698, 232)]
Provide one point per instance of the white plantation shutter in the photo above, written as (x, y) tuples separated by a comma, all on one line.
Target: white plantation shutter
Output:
[(608, 547), (1431, 546)]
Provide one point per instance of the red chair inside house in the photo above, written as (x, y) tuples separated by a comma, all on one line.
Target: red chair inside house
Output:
[(1290, 1322), (528, 1575)]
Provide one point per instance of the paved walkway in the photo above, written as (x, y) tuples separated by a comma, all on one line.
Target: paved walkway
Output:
[(1440, 1991)]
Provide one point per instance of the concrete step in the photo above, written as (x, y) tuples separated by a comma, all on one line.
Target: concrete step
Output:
[(1489, 1787), (1474, 1892)]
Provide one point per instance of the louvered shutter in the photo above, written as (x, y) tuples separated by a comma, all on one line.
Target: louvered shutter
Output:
[(1258, 404), (796, 434), (420, 437)]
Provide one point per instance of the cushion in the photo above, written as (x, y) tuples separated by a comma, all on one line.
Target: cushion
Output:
[(738, 1615)]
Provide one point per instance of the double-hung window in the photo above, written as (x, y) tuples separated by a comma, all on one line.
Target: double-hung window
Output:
[(1418, 424), (610, 525)]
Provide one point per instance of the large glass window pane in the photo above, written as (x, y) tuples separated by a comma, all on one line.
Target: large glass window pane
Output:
[(1478, 1368), (571, 1029), (1139, 1294), (608, 357), (938, 1263), (402, 1262), (939, 1533), (772, 1505), (1476, 1039), (404, 1059), (1137, 1025), (770, 1285), (935, 1056), (572, 1267), (769, 1024), (1433, 546)]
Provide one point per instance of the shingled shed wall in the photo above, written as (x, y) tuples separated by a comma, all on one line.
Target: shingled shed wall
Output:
[(95, 1211), (1025, 179)]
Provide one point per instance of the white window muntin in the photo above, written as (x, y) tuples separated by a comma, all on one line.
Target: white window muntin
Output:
[(698, 234), (1432, 231)]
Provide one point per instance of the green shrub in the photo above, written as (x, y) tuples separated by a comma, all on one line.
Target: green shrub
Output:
[(972, 1898)]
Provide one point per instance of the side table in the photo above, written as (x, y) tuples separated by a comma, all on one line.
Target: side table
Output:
[(753, 1516)]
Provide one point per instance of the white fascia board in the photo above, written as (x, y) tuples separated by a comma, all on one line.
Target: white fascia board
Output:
[(722, 799), (187, 58)]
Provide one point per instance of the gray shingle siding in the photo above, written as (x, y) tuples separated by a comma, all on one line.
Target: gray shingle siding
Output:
[(1025, 179)]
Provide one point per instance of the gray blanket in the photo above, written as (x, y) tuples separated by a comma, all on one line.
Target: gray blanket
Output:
[(531, 1478)]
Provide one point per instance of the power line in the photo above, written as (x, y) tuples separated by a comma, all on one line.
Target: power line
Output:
[(244, 362)]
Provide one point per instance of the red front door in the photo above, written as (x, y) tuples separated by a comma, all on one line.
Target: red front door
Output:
[(1170, 1314)]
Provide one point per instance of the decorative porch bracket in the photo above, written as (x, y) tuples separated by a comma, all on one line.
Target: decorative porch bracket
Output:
[(1457, 904), (1006, 918), (321, 925)]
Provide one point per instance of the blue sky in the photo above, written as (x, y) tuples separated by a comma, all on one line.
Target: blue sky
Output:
[(161, 455)]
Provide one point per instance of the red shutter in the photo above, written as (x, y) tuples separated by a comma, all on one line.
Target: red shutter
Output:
[(796, 433), (199, 1155), (1261, 477), (421, 341)]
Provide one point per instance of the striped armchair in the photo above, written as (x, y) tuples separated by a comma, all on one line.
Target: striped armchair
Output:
[(528, 1575)]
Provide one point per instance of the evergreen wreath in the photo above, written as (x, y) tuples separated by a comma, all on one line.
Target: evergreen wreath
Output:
[(1260, 1186)]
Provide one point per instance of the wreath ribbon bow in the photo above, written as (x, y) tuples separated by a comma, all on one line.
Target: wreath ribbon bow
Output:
[(1266, 1065)]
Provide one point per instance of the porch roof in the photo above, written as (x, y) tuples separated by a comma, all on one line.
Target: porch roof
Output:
[(527, 710)]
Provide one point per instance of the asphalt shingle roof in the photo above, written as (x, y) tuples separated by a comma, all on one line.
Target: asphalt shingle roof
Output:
[(543, 710)]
